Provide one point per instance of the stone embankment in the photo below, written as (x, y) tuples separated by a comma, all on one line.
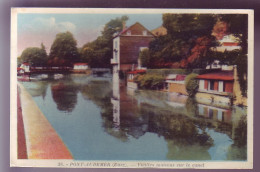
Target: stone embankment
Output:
[(42, 141)]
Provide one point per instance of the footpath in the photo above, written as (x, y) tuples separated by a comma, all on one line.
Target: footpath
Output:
[(37, 139)]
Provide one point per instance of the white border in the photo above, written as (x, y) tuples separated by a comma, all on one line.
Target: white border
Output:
[(127, 164)]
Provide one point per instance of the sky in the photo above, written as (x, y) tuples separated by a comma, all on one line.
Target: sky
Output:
[(34, 29)]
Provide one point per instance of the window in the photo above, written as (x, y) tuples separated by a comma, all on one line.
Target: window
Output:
[(211, 85), (116, 56), (128, 32), (115, 44), (220, 86), (201, 84), (144, 32)]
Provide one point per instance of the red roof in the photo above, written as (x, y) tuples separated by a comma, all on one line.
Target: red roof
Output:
[(19, 68), (137, 71), (80, 64), (226, 76), (230, 43), (128, 28)]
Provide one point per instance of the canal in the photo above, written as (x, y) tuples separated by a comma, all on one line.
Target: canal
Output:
[(137, 124)]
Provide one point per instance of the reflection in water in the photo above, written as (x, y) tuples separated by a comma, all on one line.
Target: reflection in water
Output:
[(109, 121), (65, 95)]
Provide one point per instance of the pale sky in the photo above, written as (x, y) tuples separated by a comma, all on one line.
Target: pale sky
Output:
[(34, 29)]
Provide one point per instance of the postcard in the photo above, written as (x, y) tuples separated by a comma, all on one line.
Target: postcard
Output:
[(132, 88)]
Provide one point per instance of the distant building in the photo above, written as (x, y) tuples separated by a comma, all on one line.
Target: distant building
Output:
[(127, 46), (228, 43), (216, 88), (220, 83), (20, 71), (175, 83), (25, 67), (80, 66), (160, 31), (217, 65)]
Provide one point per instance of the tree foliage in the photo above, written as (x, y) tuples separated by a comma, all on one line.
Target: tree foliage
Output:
[(34, 55), (144, 57), (64, 50), (99, 52), (150, 81), (191, 84)]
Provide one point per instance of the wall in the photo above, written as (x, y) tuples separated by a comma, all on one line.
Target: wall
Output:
[(177, 88), (130, 48), (214, 100)]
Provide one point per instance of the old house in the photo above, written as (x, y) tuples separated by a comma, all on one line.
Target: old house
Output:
[(216, 87), (228, 43), (127, 46)]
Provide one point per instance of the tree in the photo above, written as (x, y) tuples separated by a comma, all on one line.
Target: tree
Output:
[(184, 31), (144, 57), (99, 52), (34, 55), (186, 26), (64, 50), (191, 84)]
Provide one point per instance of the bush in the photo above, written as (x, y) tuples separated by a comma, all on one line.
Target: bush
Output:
[(191, 84), (165, 72), (149, 81)]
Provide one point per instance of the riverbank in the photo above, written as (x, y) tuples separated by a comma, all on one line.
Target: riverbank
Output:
[(41, 140)]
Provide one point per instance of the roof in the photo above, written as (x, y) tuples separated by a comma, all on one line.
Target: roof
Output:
[(19, 68), (223, 75), (26, 64), (137, 71), (171, 76), (80, 64), (131, 27), (159, 31), (230, 38)]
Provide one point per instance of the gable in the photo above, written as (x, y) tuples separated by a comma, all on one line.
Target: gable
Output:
[(136, 30)]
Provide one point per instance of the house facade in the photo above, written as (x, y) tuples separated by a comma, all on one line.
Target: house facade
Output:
[(127, 46), (216, 88)]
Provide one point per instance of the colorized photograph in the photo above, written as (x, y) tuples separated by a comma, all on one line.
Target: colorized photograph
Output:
[(143, 89)]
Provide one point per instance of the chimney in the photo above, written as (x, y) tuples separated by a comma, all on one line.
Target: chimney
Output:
[(124, 27)]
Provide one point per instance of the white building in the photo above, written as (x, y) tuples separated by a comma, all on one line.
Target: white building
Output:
[(228, 43), (80, 66), (25, 67)]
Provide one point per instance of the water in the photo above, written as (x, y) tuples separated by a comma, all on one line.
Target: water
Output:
[(97, 121)]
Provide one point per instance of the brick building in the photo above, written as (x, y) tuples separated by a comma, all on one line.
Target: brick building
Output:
[(127, 46)]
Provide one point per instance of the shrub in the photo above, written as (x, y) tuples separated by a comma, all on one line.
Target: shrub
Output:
[(149, 81), (165, 72), (191, 84)]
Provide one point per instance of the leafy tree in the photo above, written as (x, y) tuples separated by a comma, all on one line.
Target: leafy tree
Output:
[(183, 33), (99, 52), (144, 57), (191, 84), (150, 81), (186, 26), (64, 50), (34, 55)]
